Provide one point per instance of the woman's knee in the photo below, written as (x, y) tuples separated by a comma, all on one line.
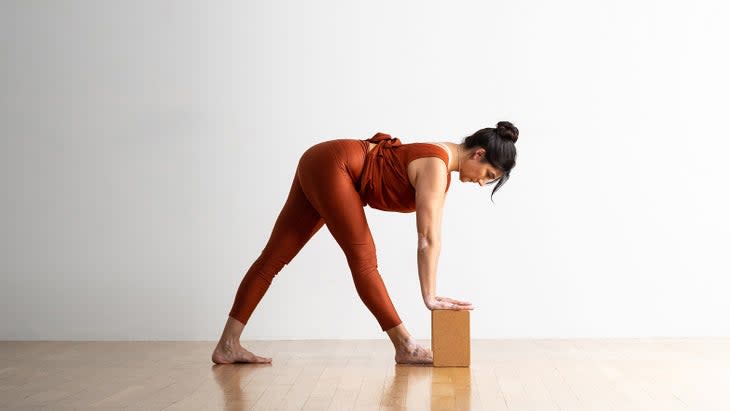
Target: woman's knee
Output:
[(361, 258)]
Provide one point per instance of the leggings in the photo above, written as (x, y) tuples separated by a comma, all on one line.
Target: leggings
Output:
[(324, 191)]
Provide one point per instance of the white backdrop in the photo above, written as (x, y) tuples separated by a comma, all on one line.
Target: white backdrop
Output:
[(148, 146)]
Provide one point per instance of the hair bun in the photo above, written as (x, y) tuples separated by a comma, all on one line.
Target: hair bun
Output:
[(507, 130)]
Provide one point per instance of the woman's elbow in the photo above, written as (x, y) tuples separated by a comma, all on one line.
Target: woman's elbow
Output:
[(426, 240)]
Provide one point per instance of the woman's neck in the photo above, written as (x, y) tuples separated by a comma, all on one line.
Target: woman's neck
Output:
[(455, 155)]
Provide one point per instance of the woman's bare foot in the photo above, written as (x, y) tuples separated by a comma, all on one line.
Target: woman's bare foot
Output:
[(233, 352), (413, 353)]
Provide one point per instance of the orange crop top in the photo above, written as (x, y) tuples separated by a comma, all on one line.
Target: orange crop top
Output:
[(384, 182)]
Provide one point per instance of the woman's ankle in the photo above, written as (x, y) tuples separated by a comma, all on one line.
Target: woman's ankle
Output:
[(229, 342), (399, 336), (232, 331)]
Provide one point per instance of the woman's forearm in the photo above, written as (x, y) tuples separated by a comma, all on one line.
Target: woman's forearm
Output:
[(428, 256)]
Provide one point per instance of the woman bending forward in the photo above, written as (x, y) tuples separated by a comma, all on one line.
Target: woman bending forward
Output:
[(333, 182)]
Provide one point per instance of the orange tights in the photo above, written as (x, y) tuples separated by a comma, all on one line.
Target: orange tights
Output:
[(323, 192)]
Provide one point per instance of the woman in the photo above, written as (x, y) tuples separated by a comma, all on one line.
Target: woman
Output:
[(334, 180)]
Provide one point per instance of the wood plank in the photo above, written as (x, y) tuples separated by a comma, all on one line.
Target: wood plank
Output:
[(544, 374)]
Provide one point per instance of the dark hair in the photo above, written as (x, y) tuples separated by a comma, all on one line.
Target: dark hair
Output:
[(499, 143)]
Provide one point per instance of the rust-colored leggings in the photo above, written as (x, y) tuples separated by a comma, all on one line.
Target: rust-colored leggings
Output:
[(323, 192)]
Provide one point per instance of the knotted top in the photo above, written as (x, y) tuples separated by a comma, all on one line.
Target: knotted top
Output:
[(384, 181)]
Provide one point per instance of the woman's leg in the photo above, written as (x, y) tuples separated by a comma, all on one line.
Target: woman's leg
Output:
[(331, 191), (297, 222)]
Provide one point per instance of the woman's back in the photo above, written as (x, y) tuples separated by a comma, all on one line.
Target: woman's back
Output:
[(384, 183)]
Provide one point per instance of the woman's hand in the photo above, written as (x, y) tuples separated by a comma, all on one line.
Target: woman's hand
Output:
[(443, 303)]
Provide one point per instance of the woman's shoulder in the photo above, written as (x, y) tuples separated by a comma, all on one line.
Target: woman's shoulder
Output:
[(420, 149)]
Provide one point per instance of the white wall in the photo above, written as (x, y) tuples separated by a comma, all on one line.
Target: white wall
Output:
[(148, 146)]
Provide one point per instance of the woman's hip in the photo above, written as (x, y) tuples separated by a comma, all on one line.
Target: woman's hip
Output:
[(347, 155)]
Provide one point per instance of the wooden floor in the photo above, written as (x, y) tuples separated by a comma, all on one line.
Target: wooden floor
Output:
[(583, 374)]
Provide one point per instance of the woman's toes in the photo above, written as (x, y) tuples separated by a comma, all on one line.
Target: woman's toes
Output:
[(414, 355)]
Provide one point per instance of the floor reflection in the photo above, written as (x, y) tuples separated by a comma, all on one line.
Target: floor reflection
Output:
[(231, 378), (421, 387), (451, 388), (426, 387)]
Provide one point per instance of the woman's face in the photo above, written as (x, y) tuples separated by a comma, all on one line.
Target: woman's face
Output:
[(473, 170)]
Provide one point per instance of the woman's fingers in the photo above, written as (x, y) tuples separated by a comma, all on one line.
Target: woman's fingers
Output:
[(451, 300), (445, 303), (453, 306)]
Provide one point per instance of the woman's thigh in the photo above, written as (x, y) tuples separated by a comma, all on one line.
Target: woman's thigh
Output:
[(328, 173), (295, 225)]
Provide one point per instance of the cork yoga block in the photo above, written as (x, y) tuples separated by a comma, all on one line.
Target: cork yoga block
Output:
[(450, 340)]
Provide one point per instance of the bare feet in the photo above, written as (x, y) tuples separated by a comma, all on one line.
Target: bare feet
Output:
[(229, 352), (413, 353)]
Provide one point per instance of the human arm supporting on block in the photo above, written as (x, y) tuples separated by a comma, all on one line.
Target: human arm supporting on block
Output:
[(430, 187)]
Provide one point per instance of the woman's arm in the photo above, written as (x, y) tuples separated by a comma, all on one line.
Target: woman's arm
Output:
[(430, 183)]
